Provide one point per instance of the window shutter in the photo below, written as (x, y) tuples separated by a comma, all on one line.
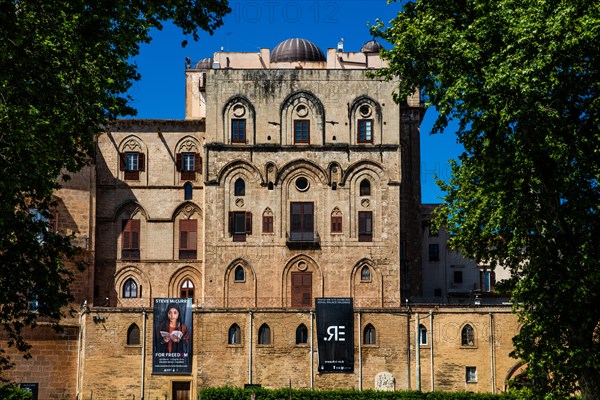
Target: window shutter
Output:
[(141, 162), (135, 234), (197, 162), (179, 162), (192, 236), (122, 161), (183, 234), (230, 222), (249, 222)]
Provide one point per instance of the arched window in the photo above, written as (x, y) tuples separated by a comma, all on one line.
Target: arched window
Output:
[(133, 335), (235, 335), (301, 334), (240, 187), (264, 334), (187, 289), (422, 335), (240, 274), (365, 187), (336, 221), (187, 191), (130, 288), (365, 274), (467, 336), (370, 335)]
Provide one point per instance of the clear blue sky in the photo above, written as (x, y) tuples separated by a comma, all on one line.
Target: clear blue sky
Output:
[(265, 23)]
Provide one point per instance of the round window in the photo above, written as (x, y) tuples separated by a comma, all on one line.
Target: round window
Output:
[(302, 184), (302, 111), (365, 110)]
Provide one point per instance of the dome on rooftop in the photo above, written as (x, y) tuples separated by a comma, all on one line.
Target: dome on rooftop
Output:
[(372, 46), (296, 49), (205, 63)]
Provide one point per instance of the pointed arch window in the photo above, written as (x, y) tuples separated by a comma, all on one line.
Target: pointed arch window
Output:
[(133, 335), (267, 221), (365, 187), (239, 274), (370, 335), (188, 191), (365, 274), (301, 334), (468, 336), (187, 289), (235, 335), (336, 221), (130, 289), (264, 334), (422, 335), (240, 187)]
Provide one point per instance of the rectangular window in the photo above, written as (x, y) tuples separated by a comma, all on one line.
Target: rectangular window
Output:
[(240, 225), (301, 131), (132, 162), (434, 252), (130, 246), (267, 224), (336, 224), (188, 164), (365, 130), (471, 373), (302, 222), (238, 131), (487, 280), (365, 226), (457, 277), (301, 289), (188, 239), (188, 161)]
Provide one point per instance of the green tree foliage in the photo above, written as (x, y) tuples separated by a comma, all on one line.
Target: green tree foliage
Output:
[(229, 393), (522, 79), (65, 68), (9, 392)]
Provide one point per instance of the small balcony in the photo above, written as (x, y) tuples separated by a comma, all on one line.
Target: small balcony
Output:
[(303, 240)]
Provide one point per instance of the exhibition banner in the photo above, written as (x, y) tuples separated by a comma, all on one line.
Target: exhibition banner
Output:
[(335, 334), (173, 332)]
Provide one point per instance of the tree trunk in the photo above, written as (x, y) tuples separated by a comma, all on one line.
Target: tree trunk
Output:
[(590, 384)]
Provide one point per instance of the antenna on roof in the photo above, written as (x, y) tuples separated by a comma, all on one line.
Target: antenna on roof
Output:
[(340, 46)]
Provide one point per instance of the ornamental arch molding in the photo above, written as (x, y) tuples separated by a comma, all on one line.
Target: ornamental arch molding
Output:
[(144, 287), (305, 105), (240, 293), (366, 293), (180, 275), (301, 263), (239, 107)]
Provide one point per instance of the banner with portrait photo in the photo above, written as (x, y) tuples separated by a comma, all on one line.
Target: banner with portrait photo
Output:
[(335, 334), (172, 341)]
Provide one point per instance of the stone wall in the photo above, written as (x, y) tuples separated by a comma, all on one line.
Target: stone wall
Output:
[(283, 362)]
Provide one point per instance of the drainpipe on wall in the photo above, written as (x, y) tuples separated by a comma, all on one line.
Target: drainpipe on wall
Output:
[(417, 355), (408, 348), (492, 354), (359, 353), (312, 361), (80, 350), (143, 353), (431, 349), (250, 351)]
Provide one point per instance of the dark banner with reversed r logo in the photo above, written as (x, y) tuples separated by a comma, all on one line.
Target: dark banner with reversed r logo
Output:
[(335, 334)]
